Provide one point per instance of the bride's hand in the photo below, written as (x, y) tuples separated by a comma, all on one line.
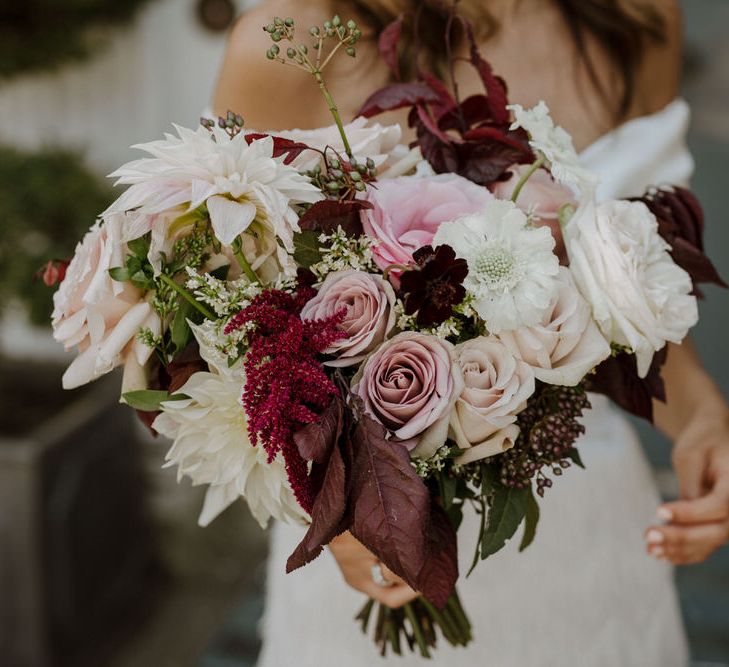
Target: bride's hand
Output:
[(698, 524), (356, 562)]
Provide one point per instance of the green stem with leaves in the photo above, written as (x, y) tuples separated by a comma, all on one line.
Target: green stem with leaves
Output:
[(187, 296), (527, 175)]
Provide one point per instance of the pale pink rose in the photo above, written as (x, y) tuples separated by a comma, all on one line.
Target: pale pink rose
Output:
[(497, 386), (98, 315), (408, 211), (567, 344), (409, 385), (542, 197), (369, 303)]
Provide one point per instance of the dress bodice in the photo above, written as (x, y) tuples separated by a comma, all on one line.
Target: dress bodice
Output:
[(644, 151)]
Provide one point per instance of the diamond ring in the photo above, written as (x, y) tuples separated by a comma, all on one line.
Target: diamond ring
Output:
[(378, 577)]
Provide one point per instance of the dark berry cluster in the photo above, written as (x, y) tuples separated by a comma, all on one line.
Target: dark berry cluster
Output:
[(548, 431)]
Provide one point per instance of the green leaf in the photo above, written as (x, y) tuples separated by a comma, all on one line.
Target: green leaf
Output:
[(149, 400), (306, 248), (508, 507), (180, 332), (448, 485), (531, 519), (140, 247), (575, 457), (120, 274), (221, 273)]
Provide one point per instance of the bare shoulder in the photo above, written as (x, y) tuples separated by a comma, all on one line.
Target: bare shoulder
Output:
[(265, 92), (657, 82)]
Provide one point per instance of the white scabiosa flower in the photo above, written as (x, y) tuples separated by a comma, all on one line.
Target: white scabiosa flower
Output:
[(512, 269), (211, 444), (555, 144), (244, 187)]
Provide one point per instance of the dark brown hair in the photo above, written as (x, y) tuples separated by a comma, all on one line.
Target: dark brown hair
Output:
[(621, 28)]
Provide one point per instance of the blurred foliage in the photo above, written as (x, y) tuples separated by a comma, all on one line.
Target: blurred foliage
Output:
[(48, 200), (40, 35)]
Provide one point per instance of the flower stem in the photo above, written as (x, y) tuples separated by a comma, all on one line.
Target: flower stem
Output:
[(417, 630), (333, 110), (527, 175), (237, 248), (187, 296)]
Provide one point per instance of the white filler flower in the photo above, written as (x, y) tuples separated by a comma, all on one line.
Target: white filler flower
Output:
[(241, 184), (211, 444), (512, 269), (555, 144)]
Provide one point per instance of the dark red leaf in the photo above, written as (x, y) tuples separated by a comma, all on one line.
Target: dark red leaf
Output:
[(437, 579), (445, 101), (397, 96), (325, 216), (326, 515), (695, 263), (388, 43), (617, 378), (472, 111), (185, 364), (281, 146), (315, 441), (429, 124), (494, 85), (390, 503)]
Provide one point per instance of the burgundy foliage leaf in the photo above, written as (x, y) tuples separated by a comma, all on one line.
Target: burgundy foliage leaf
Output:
[(316, 440), (681, 224), (437, 579), (494, 85), (325, 216), (388, 43), (281, 146), (186, 364), (617, 378), (445, 102), (326, 515), (397, 96), (390, 503)]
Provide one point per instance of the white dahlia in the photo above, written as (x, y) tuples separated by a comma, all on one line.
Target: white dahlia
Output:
[(243, 185), (211, 444), (512, 269), (555, 144)]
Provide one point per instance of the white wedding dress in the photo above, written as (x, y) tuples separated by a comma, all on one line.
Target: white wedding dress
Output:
[(585, 594)]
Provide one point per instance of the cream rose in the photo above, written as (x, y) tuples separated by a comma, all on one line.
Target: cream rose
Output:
[(98, 315), (369, 302), (497, 386), (640, 298), (567, 344)]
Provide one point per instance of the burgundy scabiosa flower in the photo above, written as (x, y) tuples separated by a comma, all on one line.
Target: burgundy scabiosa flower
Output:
[(435, 285)]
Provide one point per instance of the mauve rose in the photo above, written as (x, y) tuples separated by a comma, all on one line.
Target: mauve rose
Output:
[(98, 315), (497, 386), (542, 197), (408, 211), (409, 385), (369, 301), (567, 344)]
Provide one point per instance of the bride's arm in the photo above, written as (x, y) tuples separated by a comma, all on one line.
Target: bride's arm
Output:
[(696, 418)]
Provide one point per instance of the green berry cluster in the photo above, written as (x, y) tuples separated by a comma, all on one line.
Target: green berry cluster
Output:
[(232, 123), (341, 178)]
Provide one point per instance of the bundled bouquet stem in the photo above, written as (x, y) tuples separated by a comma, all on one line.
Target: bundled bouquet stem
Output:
[(356, 335)]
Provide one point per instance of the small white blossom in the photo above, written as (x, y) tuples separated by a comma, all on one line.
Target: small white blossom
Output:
[(555, 144), (340, 252)]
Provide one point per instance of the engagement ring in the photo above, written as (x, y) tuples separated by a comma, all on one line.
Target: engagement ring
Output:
[(378, 577)]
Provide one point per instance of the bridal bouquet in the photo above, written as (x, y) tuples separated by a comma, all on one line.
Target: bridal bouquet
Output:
[(363, 336)]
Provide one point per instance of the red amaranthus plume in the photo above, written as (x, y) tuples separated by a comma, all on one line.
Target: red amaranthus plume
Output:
[(286, 387)]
